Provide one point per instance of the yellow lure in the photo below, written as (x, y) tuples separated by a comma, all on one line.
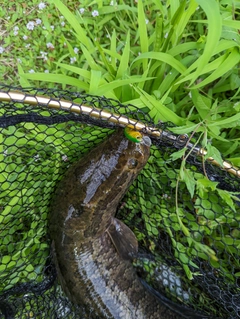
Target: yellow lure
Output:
[(133, 135)]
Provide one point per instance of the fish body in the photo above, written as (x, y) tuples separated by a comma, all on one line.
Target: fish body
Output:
[(93, 249)]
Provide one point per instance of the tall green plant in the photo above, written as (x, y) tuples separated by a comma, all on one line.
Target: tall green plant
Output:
[(174, 60)]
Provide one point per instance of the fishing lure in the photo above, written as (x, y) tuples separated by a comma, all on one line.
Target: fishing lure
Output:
[(133, 135)]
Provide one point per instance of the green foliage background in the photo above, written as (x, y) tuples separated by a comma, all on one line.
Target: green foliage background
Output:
[(176, 60)]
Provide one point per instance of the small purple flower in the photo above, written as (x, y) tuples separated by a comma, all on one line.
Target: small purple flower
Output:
[(81, 10), (25, 37), (2, 50), (76, 50), (30, 25), (38, 21), (95, 13), (73, 60), (50, 45), (31, 71), (41, 5), (15, 30)]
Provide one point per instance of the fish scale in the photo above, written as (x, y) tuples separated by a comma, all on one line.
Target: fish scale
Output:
[(92, 249)]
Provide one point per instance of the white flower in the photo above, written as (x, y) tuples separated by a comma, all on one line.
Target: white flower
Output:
[(61, 17), (27, 46), (62, 23), (52, 27), (16, 28), (38, 21), (19, 60), (41, 5), (72, 60), (95, 13), (30, 25), (31, 71), (50, 45), (46, 71), (15, 32), (146, 20), (76, 50), (25, 37), (44, 55), (81, 10)]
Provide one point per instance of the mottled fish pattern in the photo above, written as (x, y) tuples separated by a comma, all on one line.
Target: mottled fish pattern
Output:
[(93, 250)]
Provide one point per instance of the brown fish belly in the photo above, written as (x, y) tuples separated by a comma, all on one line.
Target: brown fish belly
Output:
[(93, 266)]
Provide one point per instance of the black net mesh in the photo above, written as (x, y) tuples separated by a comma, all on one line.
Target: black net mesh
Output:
[(188, 243)]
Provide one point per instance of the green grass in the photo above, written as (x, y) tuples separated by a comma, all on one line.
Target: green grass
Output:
[(176, 60)]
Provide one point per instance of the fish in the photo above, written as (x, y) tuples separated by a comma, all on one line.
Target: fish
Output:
[(93, 250)]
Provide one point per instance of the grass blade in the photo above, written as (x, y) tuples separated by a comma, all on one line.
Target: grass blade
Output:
[(72, 20), (232, 60), (214, 21)]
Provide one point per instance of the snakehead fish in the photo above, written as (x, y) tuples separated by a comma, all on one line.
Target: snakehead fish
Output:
[(93, 249)]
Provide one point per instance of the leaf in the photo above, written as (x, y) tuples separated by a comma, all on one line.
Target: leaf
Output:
[(202, 104), (227, 122), (73, 21), (179, 154), (82, 72), (124, 62), (142, 27), (161, 111), (164, 57), (203, 183), (117, 8), (184, 129), (214, 21), (231, 23), (56, 78), (96, 77), (89, 58), (227, 197), (232, 60), (108, 87), (214, 153), (23, 81), (188, 177)]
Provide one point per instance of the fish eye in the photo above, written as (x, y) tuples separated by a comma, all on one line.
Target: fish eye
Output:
[(132, 163)]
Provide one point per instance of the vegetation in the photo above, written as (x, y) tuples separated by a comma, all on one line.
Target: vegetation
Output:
[(178, 61)]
